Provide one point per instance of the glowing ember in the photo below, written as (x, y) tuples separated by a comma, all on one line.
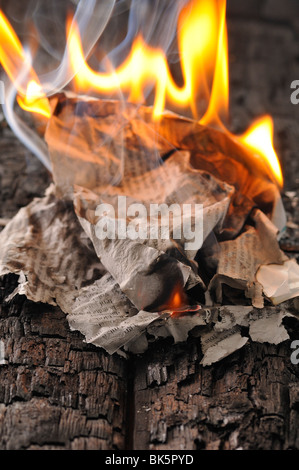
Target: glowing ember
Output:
[(186, 310), (178, 304), (176, 300)]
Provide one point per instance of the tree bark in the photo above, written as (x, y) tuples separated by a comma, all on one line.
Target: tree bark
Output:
[(56, 391), (246, 401)]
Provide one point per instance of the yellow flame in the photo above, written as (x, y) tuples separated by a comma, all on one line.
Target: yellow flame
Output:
[(219, 100), (34, 100), (259, 139), (198, 24), (139, 70), (14, 61)]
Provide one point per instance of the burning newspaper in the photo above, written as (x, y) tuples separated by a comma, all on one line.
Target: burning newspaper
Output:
[(155, 224), (120, 292)]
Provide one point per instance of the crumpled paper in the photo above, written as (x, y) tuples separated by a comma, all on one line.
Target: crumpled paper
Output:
[(116, 292)]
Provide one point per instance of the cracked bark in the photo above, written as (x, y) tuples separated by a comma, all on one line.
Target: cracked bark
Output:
[(57, 392), (246, 401)]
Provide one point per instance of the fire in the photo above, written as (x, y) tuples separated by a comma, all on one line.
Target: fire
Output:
[(16, 64), (203, 48), (259, 138), (176, 301), (218, 104), (179, 304), (34, 100), (197, 26)]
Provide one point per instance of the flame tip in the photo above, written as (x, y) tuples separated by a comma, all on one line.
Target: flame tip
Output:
[(15, 61), (259, 139)]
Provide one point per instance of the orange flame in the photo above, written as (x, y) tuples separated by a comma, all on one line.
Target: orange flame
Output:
[(178, 304), (203, 48), (176, 301), (15, 63), (198, 24), (259, 139), (218, 104)]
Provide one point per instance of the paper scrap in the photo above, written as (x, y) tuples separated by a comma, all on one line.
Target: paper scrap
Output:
[(240, 259), (217, 346), (106, 317), (279, 282), (45, 244), (268, 328)]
